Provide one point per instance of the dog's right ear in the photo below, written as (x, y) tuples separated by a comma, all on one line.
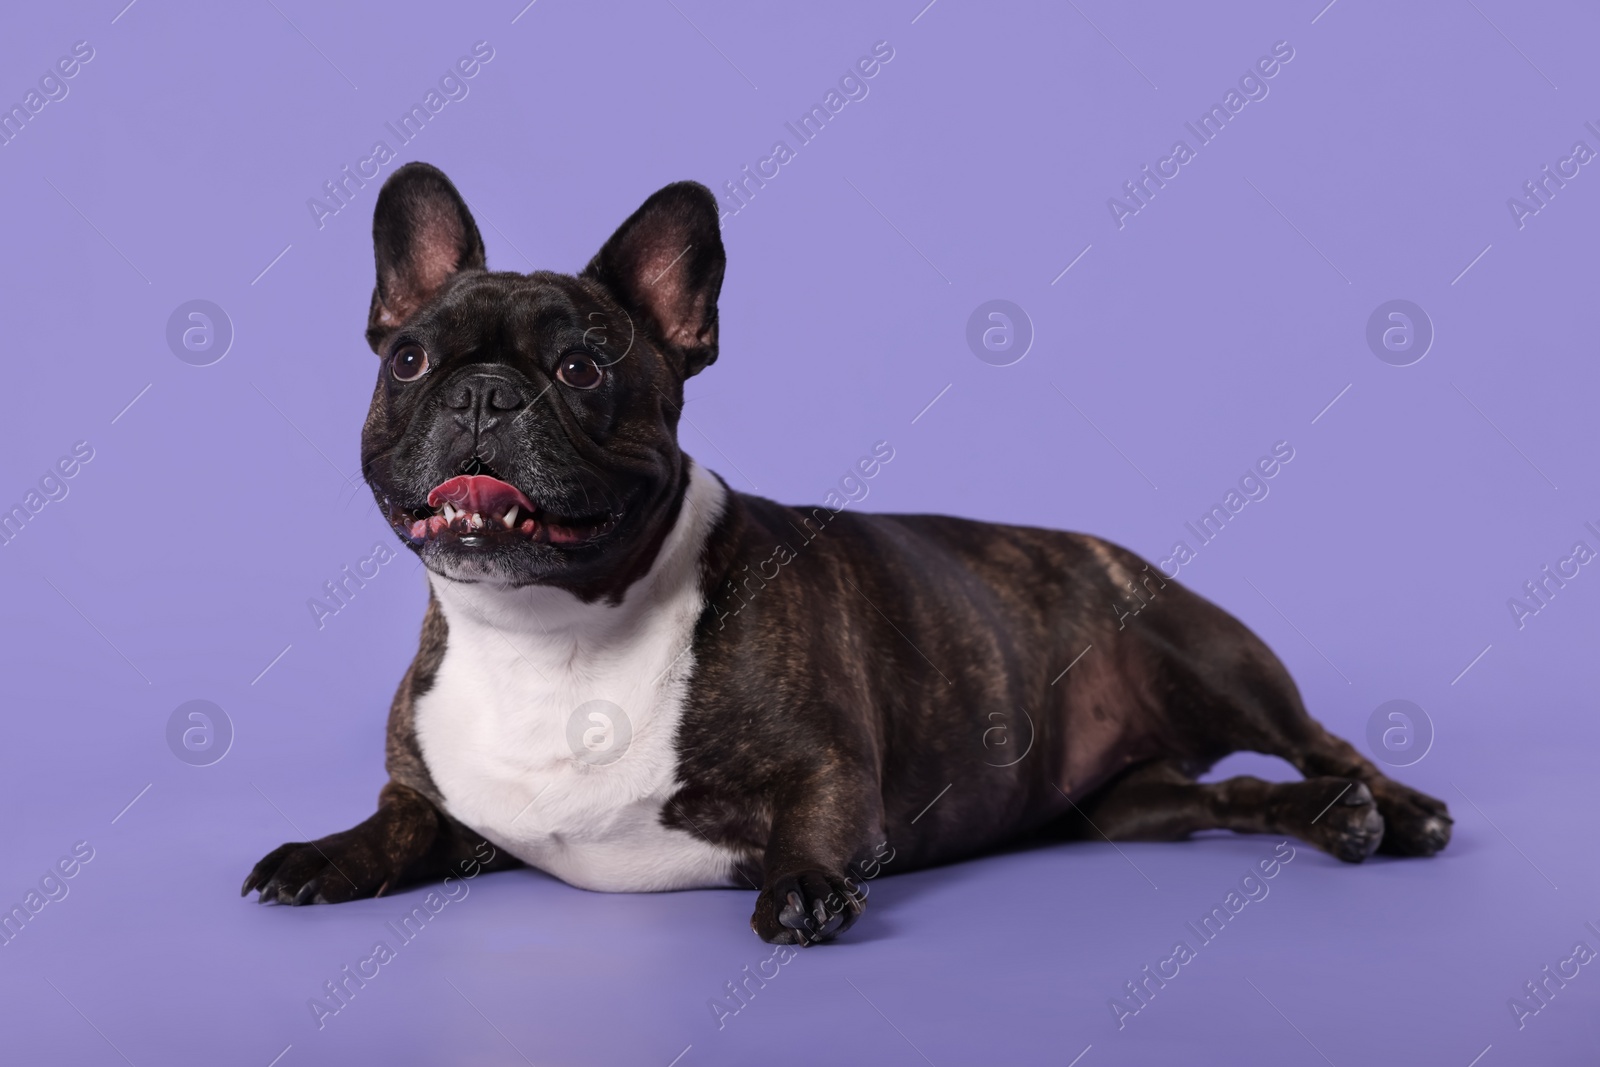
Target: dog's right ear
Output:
[(422, 233)]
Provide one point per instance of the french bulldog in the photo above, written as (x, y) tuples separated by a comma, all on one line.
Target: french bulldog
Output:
[(635, 678)]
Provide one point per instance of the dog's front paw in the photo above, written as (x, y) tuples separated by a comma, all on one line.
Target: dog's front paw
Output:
[(807, 908), (333, 870)]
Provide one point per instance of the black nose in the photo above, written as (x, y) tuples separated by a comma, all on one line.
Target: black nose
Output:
[(484, 397)]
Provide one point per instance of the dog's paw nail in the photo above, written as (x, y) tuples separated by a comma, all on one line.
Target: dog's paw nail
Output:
[(793, 914), (1357, 796)]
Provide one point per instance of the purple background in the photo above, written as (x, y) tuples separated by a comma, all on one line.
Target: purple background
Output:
[(1222, 318)]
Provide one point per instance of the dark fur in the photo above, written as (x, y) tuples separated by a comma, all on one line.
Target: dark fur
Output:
[(844, 705)]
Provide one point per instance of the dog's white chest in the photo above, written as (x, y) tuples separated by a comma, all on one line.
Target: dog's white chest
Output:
[(551, 725)]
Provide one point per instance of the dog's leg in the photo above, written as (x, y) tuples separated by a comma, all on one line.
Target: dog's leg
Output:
[(1265, 707), (1158, 803), (408, 840), (1415, 823), (820, 827), (1235, 695)]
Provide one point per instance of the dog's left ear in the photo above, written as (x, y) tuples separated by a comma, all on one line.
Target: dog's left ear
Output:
[(422, 233), (665, 266)]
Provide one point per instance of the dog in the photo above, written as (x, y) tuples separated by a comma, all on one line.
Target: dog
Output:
[(634, 678)]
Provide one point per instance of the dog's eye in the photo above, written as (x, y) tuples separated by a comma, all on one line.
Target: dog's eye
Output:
[(409, 362), (579, 371)]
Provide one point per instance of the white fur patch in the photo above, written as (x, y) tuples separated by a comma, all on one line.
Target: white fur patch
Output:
[(497, 728)]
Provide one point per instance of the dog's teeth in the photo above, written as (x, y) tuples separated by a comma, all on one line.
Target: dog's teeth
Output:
[(449, 513), (511, 517), (476, 521)]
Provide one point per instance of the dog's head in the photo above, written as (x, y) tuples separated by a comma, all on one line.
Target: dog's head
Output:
[(524, 426)]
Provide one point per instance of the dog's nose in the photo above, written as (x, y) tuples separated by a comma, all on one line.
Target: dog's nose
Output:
[(485, 396)]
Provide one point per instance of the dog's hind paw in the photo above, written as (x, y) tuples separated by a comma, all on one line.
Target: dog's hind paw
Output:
[(1416, 824), (1349, 826)]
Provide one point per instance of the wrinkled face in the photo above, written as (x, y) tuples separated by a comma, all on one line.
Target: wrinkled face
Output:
[(515, 434), (523, 428)]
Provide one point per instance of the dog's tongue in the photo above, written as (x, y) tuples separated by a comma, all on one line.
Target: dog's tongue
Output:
[(479, 493)]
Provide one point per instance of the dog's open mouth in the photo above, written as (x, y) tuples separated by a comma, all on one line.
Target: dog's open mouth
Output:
[(471, 506)]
